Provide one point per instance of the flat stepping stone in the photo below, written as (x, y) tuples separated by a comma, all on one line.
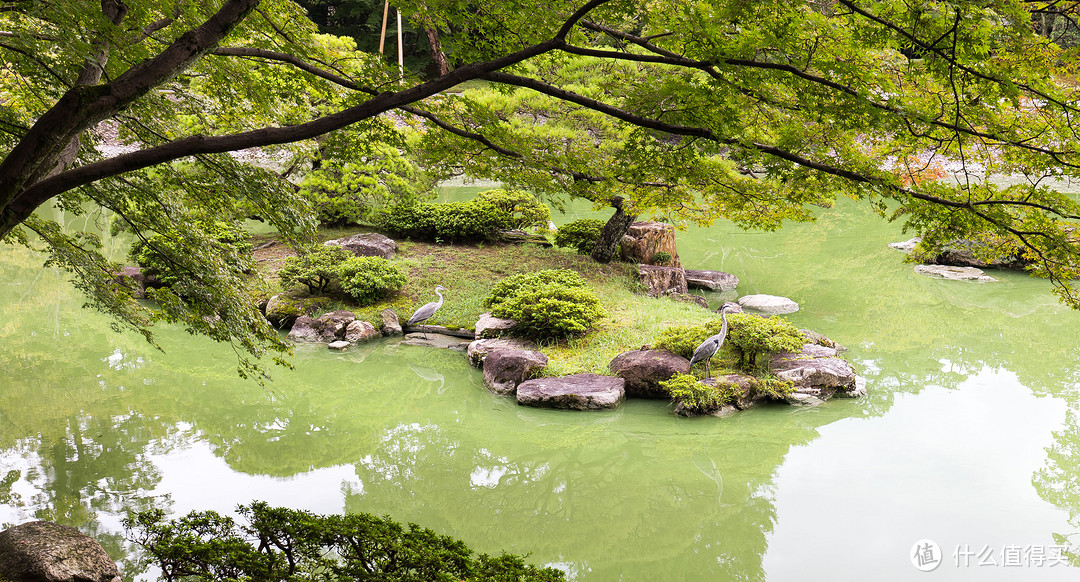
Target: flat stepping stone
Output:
[(576, 392), (771, 304), (954, 273), (436, 340), (711, 280), (479, 349)]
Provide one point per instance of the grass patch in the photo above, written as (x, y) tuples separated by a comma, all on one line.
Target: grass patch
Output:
[(470, 271)]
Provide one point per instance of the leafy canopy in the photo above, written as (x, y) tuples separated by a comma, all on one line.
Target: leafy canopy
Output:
[(754, 112)]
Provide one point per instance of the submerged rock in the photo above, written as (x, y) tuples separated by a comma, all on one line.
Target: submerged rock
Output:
[(436, 340), (954, 273), (506, 368), (643, 370), (577, 392), (907, 245), (771, 304), (42, 551)]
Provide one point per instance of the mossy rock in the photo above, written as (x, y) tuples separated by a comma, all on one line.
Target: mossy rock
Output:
[(282, 311)]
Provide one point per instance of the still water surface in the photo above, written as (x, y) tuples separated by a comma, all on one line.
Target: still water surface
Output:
[(969, 436)]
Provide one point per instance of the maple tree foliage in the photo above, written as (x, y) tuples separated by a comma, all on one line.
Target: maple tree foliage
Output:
[(695, 110)]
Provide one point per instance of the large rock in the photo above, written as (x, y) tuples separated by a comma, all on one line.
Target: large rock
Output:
[(479, 349), (771, 304), (366, 245), (644, 240), (505, 369), (577, 392), (327, 328), (361, 331), (814, 337), (42, 551), (643, 370), (954, 273), (961, 253), (282, 311), (690, 298), (490, 326), (662, 280), (816, 373), (390, 323), (711, 280)]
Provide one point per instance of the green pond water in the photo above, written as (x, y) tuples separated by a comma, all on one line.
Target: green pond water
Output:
[(969, 435)]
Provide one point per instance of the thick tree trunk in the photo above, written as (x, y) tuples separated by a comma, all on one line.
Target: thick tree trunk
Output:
[(612, 233), (437, 52)]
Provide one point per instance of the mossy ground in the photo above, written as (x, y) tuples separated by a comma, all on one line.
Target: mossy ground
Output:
[(469, 271)]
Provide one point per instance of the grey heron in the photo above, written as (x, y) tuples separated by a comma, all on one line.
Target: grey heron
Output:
[(711, 345), (427, 310)]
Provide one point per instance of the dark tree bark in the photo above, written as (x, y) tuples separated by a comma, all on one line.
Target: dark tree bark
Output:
[(437, 52), (612, 233)]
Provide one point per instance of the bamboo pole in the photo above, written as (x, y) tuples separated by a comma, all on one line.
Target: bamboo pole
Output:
[(400, 51), (385, 13)]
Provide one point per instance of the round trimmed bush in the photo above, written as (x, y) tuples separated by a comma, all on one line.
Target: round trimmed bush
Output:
[(749, 335), (369, 279), (547, 304), (523, 209)]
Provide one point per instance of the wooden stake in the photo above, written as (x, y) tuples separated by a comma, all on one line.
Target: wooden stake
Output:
[(385, 13)]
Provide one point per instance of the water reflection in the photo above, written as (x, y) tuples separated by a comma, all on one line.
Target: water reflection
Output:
[(969, 434)]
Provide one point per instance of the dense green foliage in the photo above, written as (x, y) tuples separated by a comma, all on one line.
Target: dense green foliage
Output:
[(755, 112), (522, 208), (474, 220), (155, 254), (318, 269), (750, 336), (288, 545), (552, 303), (370, 279), (698, 396), (579, 235), (357, 181)]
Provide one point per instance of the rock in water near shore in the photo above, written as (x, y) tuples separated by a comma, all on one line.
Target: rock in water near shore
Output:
[(391, 325), (505, 368), (771, 304), (817, 374), (954, 273), (327, 328), (361, 331), (366, 245), (711, 280), (42, 551), (479, 349), (643, 370), (577, 392)]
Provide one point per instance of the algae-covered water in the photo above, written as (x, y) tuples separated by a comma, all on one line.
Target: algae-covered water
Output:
[(969, 435)]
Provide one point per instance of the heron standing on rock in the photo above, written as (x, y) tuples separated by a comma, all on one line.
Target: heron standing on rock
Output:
[(428, 309), (711, 345)]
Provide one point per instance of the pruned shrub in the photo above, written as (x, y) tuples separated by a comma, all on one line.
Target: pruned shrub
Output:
[(479, 219), (524, 210), (317, 269), (696, 396), (748, 335), (229, 241), (580, 235), (547, 304), (370, 279)]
